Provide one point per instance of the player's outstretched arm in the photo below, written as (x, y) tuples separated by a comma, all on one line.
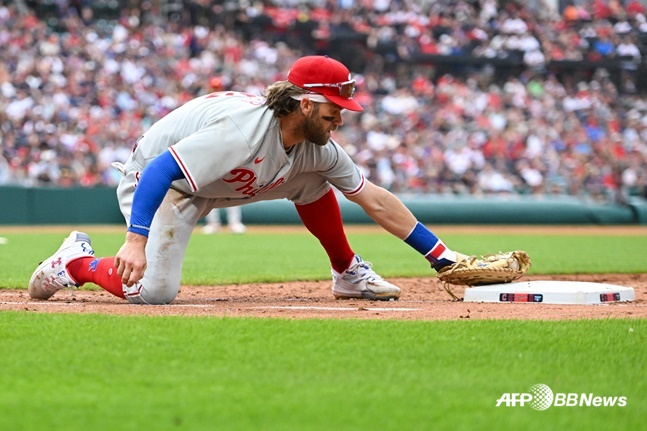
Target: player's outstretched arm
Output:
[(453, 268), (386, 209), (153, 185)]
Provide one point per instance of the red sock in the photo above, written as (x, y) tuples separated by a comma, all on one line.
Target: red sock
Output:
[(323, 219), (100, 271)]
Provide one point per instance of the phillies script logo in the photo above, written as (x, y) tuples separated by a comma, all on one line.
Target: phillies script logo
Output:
[(247, 180)]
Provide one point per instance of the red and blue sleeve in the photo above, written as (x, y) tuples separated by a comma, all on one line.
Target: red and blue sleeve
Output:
[(153, 185)]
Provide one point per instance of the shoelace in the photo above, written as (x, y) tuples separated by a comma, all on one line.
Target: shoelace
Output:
[(368, 273)]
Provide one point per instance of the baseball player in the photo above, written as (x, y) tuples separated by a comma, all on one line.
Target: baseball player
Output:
[(230, 148), (234, 221)]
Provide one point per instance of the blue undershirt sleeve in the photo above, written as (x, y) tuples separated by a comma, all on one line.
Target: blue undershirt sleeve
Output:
[(153, 185)]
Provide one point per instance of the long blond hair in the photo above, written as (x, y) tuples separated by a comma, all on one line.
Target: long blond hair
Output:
[(279, 97)]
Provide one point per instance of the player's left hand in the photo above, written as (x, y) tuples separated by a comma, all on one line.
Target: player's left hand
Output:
[(488, 269)]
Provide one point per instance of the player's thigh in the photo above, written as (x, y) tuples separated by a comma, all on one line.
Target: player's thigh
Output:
[(168, 239)]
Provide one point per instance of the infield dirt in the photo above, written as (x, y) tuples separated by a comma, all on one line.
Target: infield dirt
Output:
[(422, 298)]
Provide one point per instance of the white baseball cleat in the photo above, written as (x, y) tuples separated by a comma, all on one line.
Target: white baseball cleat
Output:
[(360, 281), (237, 228), (210, 228), (51, 275)]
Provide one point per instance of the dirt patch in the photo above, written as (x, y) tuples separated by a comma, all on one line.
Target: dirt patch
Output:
[(422, 299)]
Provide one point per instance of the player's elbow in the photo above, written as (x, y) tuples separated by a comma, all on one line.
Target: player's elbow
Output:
[(373, 199)]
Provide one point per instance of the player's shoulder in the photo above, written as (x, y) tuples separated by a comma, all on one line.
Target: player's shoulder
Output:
[(224, 102), (331, 147), (233, 98), (330, 154), (241, 108)]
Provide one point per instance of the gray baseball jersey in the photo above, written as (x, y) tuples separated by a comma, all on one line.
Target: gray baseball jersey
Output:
[(229, 148), (228, 145)]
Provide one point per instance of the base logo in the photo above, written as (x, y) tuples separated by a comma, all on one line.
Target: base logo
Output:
[(541, 397)]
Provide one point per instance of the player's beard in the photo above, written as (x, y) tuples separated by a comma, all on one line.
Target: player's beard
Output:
[(314, 129)]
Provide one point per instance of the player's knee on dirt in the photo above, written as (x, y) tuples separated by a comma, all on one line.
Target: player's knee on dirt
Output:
[(161, 294)]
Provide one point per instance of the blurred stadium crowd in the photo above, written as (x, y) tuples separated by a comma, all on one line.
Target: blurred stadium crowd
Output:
[(460, 97)]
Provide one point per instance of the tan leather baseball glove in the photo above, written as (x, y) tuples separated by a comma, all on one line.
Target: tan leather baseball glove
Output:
[(487, 269)]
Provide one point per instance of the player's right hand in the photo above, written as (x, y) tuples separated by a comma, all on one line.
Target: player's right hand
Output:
[(130, 261)]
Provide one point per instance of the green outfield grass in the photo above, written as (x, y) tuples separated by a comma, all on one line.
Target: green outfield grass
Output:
[(86, 372), (225, 259), (98, 372)]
